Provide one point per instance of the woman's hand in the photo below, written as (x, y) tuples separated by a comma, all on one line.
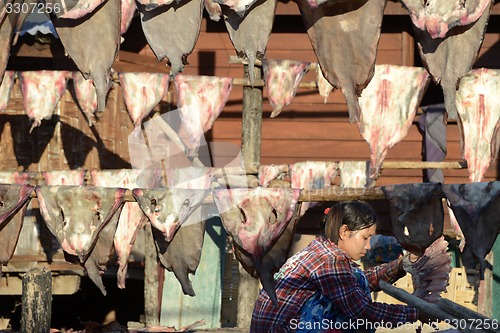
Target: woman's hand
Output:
[(407, 260)]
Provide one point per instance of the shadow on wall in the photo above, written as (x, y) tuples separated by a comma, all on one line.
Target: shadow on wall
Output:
[(28, 148)]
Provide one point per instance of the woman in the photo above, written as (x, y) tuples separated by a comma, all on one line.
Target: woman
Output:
[(322, 289)]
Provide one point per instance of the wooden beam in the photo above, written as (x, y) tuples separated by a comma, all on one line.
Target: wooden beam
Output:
[(248, 288), (252, 121), (424, 165), (332, 193)]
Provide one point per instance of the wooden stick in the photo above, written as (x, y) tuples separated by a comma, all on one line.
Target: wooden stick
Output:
[(338, 193), (417, 165), (237, 60), (430, 309), (261, 83)]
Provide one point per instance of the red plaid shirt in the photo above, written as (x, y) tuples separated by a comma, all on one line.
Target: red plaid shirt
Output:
[(322, 265)]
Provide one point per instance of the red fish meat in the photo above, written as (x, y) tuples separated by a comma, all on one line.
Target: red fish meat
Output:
[(64, 177), (14, 177), (267, 173), (79, 10), (479, 113), (437, 17), (282, 80), (255, 218), (127, 11), (200, 101), (388, 108), (272, 260), (142, 92), (42, 90)]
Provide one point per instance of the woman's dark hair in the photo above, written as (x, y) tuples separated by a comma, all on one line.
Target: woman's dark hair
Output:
[(355, 214)]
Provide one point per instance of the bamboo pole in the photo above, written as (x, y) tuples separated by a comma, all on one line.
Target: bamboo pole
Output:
[(261, 83), (237, 60)]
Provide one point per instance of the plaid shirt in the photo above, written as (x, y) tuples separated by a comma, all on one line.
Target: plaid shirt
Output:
[(324, 266)]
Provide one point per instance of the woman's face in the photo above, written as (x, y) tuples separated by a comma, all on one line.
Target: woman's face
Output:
[(356, 243)]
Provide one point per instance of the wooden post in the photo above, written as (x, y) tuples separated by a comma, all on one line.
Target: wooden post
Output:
[(251, 121), (151, 284), (250, 145), (485, 301), (36, 301)]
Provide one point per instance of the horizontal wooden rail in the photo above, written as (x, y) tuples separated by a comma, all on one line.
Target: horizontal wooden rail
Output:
[(333, 193), (221, 172), (261, 83), (237, 60), (424, 165)]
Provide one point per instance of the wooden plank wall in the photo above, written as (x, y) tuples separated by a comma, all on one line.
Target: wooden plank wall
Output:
[(308, 129)]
